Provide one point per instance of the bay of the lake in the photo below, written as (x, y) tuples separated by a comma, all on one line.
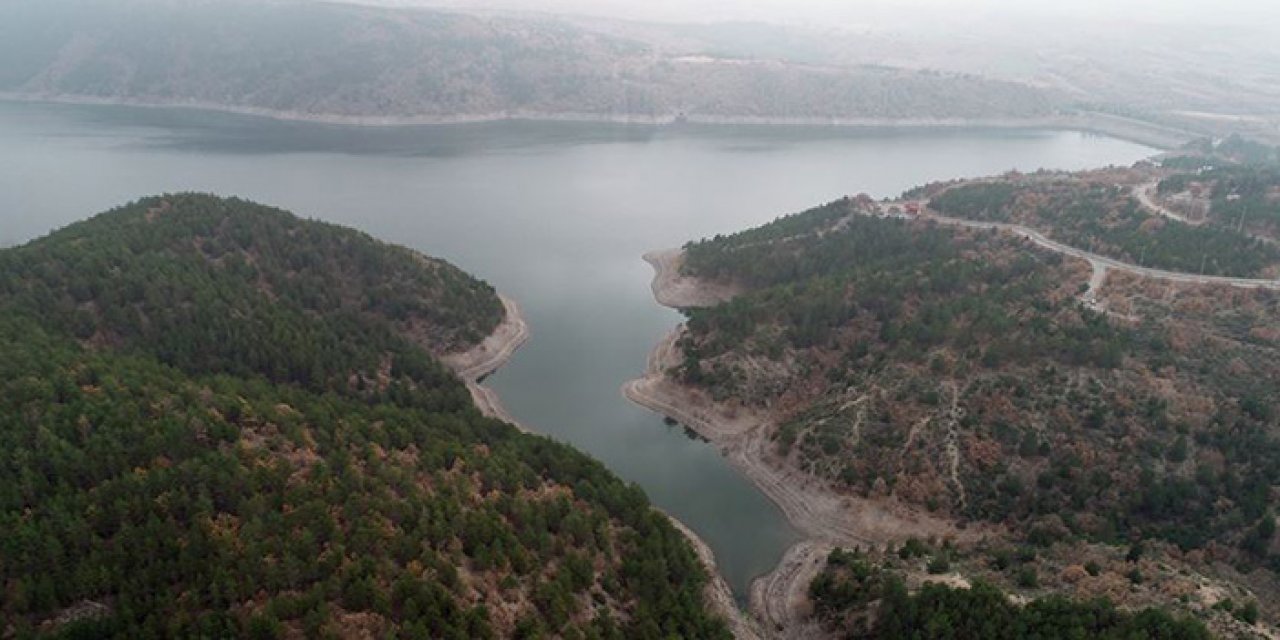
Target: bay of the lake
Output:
[(556, 215)]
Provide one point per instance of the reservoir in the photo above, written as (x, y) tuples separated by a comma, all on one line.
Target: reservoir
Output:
[(556, 215)]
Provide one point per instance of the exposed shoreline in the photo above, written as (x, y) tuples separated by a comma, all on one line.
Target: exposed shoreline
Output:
[(673, 290), (1138, 131), (487, 357), (824, 517), (717, 593)]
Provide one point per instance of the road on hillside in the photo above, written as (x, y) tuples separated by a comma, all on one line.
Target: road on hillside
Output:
[(1096, 261)]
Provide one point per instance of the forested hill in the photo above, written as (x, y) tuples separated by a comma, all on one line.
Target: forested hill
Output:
[(962, 371), (218, 420), (328, 59), (866, 598), (223, 284), (1096, 210)]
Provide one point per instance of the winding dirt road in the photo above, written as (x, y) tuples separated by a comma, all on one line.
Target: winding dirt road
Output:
[(1142, 193), (673, 290), (1096, 261)]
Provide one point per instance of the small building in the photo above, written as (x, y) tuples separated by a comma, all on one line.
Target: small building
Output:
[(913, 208)]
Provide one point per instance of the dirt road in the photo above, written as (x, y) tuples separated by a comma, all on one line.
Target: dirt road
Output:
[(1143, 194), (1098, 262)]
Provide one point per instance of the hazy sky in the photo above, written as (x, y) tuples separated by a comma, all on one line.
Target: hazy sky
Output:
[(870, 12)]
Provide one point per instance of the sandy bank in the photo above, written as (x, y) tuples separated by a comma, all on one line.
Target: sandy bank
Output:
[(1139, 131), (678, 292), (782, 596), (824, 517), (742, 435), (489, 356)]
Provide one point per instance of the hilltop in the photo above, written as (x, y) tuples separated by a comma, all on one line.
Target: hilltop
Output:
[(998, 378), (218, 419)]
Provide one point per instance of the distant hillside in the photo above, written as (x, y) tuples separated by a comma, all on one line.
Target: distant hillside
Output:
[(219, 420), (342, 61)]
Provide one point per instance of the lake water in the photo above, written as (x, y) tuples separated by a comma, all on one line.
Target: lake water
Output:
[(555, 215)]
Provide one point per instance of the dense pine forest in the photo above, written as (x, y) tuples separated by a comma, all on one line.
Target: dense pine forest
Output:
[(861, 598), (1105, 219), (219, 420), (1240, 197), (960, 371)]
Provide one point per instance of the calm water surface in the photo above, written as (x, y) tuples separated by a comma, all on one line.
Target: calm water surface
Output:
[(556, 215)]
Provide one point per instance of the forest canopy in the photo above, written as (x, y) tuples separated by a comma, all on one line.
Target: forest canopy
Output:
[(964, 371), (219, 420), (861, 599)]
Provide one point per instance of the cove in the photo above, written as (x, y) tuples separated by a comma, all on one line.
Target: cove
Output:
[(555, 215)]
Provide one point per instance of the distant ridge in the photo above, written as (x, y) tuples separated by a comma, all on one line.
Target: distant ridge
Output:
[(367, 64)]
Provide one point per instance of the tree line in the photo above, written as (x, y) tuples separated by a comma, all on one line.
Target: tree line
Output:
[(216, 448)]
